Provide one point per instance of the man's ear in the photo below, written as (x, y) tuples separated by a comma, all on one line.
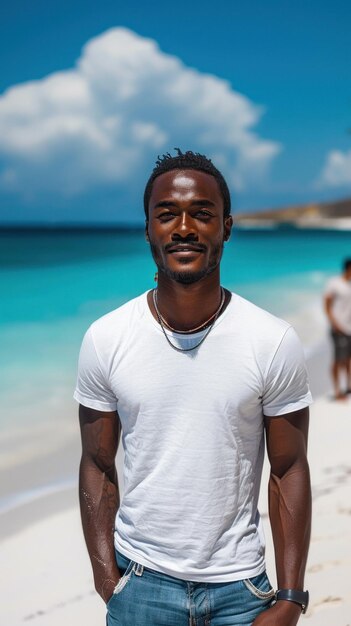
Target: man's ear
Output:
[(147, 231), (228, 225)]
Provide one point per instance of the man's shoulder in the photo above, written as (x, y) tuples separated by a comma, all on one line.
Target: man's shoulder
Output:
[(334, 283)]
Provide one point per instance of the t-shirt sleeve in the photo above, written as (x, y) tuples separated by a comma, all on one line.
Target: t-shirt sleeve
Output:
[(330, 288), (92, 388), (286, 386)]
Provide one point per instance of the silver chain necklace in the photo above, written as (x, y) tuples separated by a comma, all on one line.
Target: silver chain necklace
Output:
[(161, 322)]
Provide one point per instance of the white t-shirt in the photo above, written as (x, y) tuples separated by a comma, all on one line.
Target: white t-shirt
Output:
[(192, 432), (339, 289)]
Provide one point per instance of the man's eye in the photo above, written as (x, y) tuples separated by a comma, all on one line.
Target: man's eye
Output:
[(203, 214), (164, 217)]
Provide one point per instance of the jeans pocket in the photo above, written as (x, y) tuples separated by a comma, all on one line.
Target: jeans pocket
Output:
[(122, 582), (260, 587)]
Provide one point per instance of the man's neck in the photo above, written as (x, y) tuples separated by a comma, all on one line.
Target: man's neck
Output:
[(188, 306)]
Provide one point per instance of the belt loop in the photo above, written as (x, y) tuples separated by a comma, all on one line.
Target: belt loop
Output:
[(138, 569)]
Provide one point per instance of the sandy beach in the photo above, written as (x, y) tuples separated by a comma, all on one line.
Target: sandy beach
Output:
[(45, 575)]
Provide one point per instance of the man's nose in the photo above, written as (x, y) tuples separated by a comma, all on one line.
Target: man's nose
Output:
[(185, 226)]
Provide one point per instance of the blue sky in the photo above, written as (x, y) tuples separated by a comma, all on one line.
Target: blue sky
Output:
[(91, 92)]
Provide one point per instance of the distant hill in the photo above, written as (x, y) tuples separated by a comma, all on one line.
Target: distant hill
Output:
[(314, 215)]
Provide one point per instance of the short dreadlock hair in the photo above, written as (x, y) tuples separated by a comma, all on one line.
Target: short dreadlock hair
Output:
[(186, 161)]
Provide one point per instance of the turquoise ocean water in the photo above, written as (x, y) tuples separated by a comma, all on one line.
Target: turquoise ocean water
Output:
[(54, 284)]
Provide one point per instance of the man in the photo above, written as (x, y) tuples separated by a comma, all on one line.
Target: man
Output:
[(337, 300), (195, 375)]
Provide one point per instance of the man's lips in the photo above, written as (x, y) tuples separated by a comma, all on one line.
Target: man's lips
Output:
[(174, 248)]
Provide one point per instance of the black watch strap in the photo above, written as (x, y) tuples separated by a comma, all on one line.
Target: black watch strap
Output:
[(293, 595)]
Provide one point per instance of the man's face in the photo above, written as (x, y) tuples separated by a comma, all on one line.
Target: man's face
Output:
[(186, 227)]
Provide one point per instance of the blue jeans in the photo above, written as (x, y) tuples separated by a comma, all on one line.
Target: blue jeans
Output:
[(144, 597)]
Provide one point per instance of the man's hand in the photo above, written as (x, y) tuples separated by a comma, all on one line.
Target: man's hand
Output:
[(337, 329), (107, 589), (283, 613)]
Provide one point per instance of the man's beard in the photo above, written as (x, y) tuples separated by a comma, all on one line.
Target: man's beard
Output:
[(185, 278), (188, 277)]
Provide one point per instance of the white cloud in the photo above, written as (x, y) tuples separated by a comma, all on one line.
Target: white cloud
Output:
[(337, 169), (123, 102)]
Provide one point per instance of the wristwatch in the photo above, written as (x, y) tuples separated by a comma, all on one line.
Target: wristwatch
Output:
[(293, 595)]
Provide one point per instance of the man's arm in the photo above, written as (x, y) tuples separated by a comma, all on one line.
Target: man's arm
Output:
[(328, 305), (289, 509), (98, 493)]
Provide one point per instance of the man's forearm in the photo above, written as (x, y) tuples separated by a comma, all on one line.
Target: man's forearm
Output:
[(99, 502), (330, 316), (290, 517)]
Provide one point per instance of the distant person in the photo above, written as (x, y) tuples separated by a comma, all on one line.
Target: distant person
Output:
[(195, 376), (337, 299)]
